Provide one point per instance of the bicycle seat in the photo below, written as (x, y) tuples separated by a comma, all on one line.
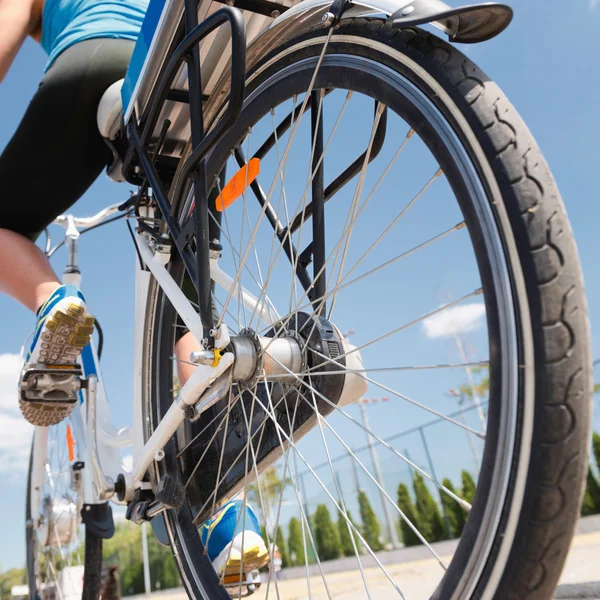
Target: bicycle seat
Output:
[(109, 119), (110, 110)]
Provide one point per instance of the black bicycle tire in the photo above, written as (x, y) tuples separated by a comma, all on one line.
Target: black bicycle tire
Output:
[(549, 262)]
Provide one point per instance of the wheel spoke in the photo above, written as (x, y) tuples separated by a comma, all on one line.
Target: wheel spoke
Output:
[(301, 208), (197, 436), (381, 489), (403, 212), (270, 540), (279, 168), (355, 201), (460, 501), (334, 253), (420, 319), (281, 432), (385, 444), (225, 419), (389, 262), (483, 363), (337, 487), (360, 374), (260, 431), (278, 429)]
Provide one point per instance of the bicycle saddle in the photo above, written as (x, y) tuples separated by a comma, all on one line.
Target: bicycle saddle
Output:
[(109, 119)]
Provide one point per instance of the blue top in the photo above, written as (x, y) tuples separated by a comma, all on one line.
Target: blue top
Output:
[(67, 22)]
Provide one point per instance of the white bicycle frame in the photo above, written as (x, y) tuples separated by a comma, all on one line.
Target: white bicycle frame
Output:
[(97, 441)]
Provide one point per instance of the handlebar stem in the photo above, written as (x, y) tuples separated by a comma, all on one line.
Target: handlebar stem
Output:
[(72, 237)]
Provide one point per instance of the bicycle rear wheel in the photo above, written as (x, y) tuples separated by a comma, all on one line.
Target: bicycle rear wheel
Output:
[(446, 187)]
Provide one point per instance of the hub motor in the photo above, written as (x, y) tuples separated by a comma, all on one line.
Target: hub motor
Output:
[(287, 354), (323, 363)]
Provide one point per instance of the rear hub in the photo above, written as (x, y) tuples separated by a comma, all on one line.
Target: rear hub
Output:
[(296, 356)]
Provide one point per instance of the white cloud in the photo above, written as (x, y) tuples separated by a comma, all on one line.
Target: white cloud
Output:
[(10, 367), (15, 431), (594, 4), (455, 320)]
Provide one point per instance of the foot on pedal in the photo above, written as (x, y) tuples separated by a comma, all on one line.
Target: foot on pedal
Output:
[(50, 378), (232, 547)]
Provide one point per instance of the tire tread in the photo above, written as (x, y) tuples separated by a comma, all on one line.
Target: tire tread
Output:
[(558, 309)]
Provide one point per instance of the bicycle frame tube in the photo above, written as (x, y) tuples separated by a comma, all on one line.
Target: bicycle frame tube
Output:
[(194, 168), (38, 473), (98, 441)]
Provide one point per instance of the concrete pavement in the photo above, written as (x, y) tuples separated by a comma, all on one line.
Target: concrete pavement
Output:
[(417, 574)]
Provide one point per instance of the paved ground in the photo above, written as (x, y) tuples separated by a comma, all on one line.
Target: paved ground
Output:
[(417, 574)]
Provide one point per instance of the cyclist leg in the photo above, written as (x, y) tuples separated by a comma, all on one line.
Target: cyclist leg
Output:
[(54, 156)]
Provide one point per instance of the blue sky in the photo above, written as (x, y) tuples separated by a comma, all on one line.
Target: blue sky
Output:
[(546, 63)]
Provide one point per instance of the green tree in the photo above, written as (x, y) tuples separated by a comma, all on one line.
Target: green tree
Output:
[(596, 447), (268, 541), (371, 529), (588, 506), (10, 578), (405, 504), (430, 518), (295, 542), (454, 511), (280, 543), (271, 488), (163, 570), (346, 532), (468, 487), (481, 383), (593, 489), (125, 551), (326, 535)]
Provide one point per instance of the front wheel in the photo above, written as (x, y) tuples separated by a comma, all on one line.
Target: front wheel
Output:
[(63, 560), (412, 205)]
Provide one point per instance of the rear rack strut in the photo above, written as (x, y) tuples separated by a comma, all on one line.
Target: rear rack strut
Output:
[(196, 260), (197, 264)]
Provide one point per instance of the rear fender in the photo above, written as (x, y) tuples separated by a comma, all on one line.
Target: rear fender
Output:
[(466, 24)]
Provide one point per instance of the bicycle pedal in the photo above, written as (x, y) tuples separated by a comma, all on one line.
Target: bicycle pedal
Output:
[(235, 581), (246, 586), (51, 384), (169, 492)]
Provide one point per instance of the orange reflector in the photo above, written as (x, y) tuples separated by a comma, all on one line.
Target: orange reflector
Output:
[(70, 444), (237, 185)]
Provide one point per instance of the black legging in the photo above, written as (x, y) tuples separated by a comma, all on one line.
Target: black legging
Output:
[(57, 152)]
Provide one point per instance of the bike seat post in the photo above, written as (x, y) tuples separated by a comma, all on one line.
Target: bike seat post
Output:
[(72, 274)]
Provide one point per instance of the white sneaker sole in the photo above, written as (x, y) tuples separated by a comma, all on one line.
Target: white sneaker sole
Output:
[(63, 336)]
